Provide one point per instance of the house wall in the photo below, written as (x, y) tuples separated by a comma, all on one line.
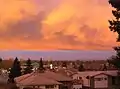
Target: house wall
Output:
[(101, 81), (75, 76), (57, 87), (67, 84), (37, 87), (110, 85), (98, 84), (92, 82), (41, 87), (77, 86), (86, 82)]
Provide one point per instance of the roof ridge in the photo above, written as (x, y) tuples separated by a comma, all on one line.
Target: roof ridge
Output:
[(27, 76)]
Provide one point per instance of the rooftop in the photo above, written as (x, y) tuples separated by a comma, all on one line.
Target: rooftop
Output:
[(45, 78), (93, 73)]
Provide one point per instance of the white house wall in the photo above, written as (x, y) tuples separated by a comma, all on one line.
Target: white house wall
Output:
[(102, 83), (41, 87), (77, 86)]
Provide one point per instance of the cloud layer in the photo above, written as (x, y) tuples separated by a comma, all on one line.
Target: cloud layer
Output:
[(55, 24)]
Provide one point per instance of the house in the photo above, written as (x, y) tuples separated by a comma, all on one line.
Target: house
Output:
[(44, 80), (77, 84), (99, 79)]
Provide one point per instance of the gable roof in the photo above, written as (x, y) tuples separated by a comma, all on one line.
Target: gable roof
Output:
[(101, 74)]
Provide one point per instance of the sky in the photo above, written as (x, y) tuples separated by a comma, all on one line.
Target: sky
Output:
[(58, 55), (55, 25)]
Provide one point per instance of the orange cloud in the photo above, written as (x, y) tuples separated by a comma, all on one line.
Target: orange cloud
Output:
[(61, 24), (12, 11)]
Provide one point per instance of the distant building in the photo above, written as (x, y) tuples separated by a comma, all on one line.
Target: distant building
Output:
[(99, 79)]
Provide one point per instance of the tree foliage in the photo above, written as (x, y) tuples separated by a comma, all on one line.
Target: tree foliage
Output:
[(104, 67), (115, 24), (81, 67), (29, 67), (115, 59), (1, 62), (15, 71), (41, 67), (115, 27), (64, 64)]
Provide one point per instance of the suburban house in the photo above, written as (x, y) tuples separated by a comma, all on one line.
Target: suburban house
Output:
[(98, 79), (77, 84), (44, 80)]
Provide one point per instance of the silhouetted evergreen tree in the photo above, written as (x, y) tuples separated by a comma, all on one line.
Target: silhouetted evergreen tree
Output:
[(81, 67), (29, 67), (115, 24), (41, 68), (1, 62), (115, 59), (15, 71), (115, 27)]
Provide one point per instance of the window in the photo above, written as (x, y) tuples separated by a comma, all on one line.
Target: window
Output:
[(105, 78), (87, 77), (80, 77), (98, 79)]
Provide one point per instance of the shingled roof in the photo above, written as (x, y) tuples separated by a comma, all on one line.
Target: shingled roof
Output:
[(45, 78), (56, 76)]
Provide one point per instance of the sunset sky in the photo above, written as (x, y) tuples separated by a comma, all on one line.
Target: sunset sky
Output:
[(55, 25)]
